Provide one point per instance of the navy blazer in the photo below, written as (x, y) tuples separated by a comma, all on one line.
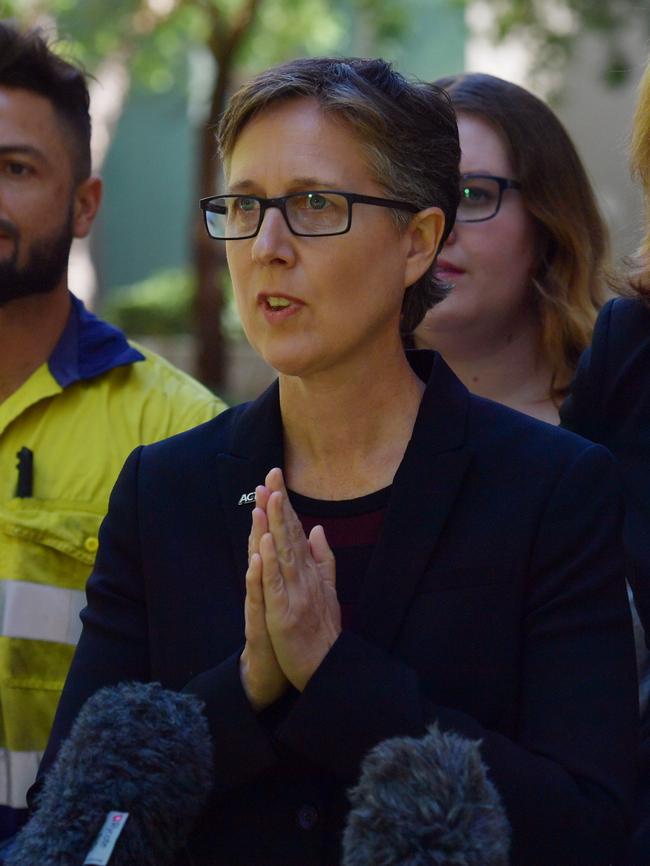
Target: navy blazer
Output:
[(610, 403), (494, 604)]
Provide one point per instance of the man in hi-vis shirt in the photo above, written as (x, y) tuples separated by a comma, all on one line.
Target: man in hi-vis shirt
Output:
[(75, 399)]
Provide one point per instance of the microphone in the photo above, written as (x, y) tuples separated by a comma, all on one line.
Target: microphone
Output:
[(425, 802), (134, 748)]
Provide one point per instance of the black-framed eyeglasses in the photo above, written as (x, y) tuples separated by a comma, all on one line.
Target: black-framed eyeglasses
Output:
[(480, 196), (313, 213)]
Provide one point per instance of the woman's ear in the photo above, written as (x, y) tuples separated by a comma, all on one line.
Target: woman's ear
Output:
[(423, 236)]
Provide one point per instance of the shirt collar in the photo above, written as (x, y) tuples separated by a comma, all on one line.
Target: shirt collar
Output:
[(88, 347)]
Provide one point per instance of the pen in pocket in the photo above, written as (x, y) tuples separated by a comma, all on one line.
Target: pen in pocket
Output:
[(25, 467)]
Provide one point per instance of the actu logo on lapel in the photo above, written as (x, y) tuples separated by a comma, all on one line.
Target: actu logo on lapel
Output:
[(246, 498)]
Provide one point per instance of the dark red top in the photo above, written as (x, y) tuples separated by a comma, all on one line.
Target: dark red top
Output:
[(352, 528)]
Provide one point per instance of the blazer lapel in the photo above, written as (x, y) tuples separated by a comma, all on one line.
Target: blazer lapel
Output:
[(424, 490), (256, 446)]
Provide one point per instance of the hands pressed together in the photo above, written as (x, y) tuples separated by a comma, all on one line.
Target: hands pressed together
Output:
[(292, 612)]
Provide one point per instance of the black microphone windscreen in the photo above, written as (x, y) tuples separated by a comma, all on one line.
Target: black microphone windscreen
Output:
[(135, 748), (426, 802)]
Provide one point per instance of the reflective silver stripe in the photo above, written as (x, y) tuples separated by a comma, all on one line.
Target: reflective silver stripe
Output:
[(17, 774), (35, 611)]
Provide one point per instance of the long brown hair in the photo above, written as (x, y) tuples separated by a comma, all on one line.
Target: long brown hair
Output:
[(638, 277), (569, 284)]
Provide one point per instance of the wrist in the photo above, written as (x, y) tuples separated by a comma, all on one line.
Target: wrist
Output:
[(246, 680)]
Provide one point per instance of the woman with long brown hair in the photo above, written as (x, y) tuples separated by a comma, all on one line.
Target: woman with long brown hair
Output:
[(526, 256)]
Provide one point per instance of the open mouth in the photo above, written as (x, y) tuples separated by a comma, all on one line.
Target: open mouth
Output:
[(275, 303)]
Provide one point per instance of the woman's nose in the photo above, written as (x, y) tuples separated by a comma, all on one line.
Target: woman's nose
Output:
[(274, 240)]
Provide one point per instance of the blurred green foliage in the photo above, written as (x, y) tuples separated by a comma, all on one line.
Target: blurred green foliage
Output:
[(152, 34), (551, 29), (162, 304)]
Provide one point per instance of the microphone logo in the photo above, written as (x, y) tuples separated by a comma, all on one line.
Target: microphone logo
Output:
[(100, 853)]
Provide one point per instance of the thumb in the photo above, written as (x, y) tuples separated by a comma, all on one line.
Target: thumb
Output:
[(322, 554)]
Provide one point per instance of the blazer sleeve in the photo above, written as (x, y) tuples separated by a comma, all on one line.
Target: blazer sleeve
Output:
[(114, 647), (582, 410), (609, 403), (567, 777)]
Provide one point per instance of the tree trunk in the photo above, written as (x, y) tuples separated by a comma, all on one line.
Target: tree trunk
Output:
[(209, 263), (210, 255)]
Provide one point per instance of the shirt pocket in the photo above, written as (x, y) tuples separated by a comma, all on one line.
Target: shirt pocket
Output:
[(47, 550), (48, 541)]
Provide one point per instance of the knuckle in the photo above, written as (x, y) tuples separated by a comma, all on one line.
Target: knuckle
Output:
[(287, 554)]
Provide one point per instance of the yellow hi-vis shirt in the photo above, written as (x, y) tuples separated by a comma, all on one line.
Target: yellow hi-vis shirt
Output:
[(74, 422)]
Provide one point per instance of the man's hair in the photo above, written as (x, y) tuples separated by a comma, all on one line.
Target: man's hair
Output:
[(569, 283), (407, 128), (28, 63)]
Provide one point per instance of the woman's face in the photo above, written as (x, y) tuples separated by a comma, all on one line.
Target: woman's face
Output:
[(339, 296), (489, 263)]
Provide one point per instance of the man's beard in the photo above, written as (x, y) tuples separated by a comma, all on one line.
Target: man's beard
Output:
[(47, 261)]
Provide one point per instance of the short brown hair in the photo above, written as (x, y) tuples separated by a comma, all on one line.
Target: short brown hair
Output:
[(28, 63), (569, 284), (408, 129)]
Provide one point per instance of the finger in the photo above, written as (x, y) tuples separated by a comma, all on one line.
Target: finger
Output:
[(254, 602), (259, 525), (320, 549), (262, 494), (290, 542), (272, 580), (275, 484), (322, 554), (275, 480)]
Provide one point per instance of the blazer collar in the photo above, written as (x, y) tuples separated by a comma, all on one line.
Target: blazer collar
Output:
[(440, 423), (424, 489)]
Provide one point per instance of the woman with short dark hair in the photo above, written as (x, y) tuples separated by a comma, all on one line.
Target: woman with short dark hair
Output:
[(365, 549)]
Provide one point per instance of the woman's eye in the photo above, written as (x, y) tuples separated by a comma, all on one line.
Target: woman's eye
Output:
[(246, 204), (472, 194), (316, 202)]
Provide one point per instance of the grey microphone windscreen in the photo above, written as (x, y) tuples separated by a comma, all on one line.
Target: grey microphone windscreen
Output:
[(135, 748), (426, 802)]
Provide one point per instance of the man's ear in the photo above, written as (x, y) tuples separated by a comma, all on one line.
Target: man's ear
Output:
[(87, 198), (424, 234)]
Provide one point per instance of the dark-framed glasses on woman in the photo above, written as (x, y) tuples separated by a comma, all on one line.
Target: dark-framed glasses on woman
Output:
[(313, 213), (480, 196)]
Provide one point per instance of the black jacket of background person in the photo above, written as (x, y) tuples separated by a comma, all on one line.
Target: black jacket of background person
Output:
[(494, 604), (610, 403)]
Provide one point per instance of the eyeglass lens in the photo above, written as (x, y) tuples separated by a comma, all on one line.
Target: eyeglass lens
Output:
[(307, 213), (479, 199)]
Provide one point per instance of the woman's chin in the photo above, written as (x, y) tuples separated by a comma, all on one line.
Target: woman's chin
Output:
[(287, 363)]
